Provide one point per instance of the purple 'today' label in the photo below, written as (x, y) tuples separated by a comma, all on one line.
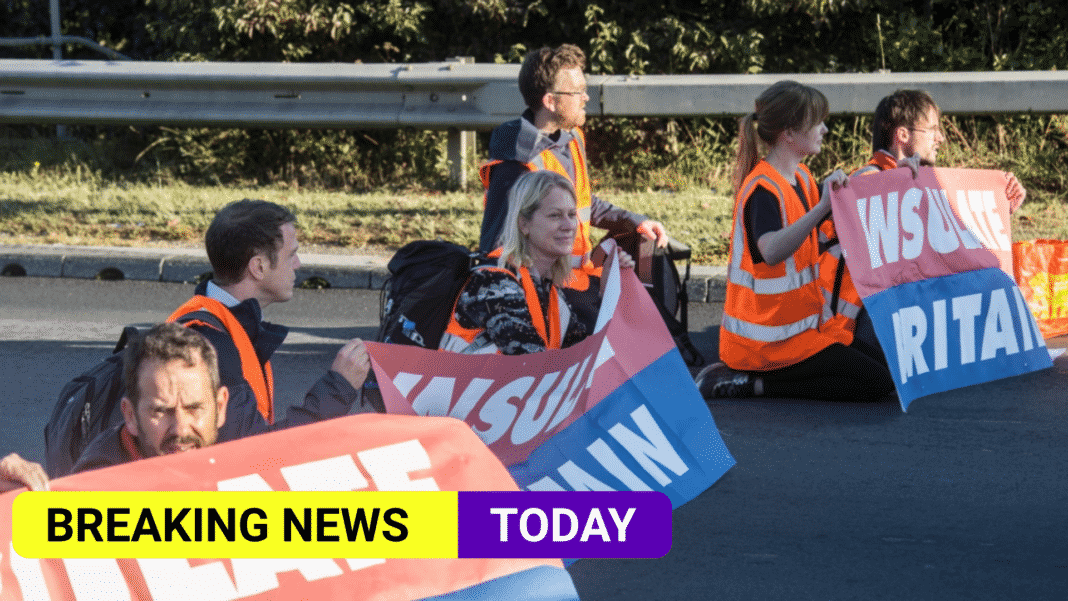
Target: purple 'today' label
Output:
[(564, 524)]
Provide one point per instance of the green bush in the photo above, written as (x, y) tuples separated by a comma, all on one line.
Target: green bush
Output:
[(620, 37)]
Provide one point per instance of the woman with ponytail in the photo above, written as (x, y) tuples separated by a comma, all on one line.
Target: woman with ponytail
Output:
[(779, 336)]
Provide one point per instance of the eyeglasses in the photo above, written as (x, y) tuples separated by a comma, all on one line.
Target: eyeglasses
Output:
[(579, 93), (930, 130)]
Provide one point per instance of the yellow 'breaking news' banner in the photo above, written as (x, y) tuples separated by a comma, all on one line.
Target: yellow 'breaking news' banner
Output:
[(207, 524)]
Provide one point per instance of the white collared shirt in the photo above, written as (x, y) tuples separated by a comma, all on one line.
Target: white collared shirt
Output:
[(224, 297)]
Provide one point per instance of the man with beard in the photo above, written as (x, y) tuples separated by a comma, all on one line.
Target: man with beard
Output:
[(548, 135), (906, 131), (174, 401)]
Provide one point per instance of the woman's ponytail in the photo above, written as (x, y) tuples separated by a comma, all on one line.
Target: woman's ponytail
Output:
[(747, 157)]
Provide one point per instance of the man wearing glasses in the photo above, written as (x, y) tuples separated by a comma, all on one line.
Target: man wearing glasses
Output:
[(906, 132), (547, 136)]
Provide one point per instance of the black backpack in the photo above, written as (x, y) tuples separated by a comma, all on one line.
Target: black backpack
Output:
[(656, 269), (417, 300), (87, 406)]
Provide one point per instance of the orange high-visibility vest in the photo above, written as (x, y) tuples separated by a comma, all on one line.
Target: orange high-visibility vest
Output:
[(260, 379), (880, 161), (773, 315), (844, 302), (550, 328), (583, 267), (841, 301)]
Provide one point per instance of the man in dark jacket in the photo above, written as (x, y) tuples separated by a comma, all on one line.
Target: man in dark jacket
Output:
[(252, 246), (548, 136), (174, 401)]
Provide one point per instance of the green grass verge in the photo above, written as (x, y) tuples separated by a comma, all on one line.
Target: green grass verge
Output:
[(80, 207)]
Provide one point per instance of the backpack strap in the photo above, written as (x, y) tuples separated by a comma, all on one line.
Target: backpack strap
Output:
[(129, 334), (260, 379)]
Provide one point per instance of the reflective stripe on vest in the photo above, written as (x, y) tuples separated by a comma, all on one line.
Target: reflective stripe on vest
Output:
[(792, 280), (849, 303), (755, 331), (845, 308), (260, 379), (773, 313)]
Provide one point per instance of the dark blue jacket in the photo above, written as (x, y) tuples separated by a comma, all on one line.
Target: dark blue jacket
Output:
[(331, 396), (517, 143)]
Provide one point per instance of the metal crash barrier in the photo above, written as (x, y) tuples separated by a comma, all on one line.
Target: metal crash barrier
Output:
[(455, 95)]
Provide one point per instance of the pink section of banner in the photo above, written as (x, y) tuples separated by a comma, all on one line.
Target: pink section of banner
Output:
[(516, 403), (896, 229), (367, 452)]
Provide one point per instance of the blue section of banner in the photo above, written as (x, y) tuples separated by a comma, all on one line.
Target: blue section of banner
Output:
[(536, 584), (652, 433), (954, 331)]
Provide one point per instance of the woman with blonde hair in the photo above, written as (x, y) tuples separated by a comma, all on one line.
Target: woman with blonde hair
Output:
[(779, 335), (517, 307)]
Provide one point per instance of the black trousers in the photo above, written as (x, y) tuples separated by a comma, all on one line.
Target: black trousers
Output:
[(857, 372)]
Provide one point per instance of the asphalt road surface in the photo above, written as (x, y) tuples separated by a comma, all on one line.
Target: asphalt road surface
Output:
[(963, 497)]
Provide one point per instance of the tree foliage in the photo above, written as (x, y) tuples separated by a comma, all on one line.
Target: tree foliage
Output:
[(620, 37)]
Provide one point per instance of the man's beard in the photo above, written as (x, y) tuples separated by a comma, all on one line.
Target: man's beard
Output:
[(169, 445)]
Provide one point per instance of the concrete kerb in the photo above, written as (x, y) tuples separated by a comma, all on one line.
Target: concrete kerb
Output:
[(184, 265)]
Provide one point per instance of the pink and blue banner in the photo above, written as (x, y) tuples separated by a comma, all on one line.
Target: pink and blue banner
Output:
[(354, 453), (932, 259), (618, 411)]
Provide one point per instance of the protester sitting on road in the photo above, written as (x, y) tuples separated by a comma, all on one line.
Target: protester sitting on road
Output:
[(16, 472), (517, 307), (174, 400), (906, 131), (778, 337), (548, 136), (252, 246)]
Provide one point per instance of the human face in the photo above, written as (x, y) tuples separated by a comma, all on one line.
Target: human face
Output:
[(569, 98), (550, 231), (276, 282), (178, 410), (807, 142), (924, 138)]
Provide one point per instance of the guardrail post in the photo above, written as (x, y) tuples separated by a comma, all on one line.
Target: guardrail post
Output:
[(461, 144), (461, 152), (57, 49)]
